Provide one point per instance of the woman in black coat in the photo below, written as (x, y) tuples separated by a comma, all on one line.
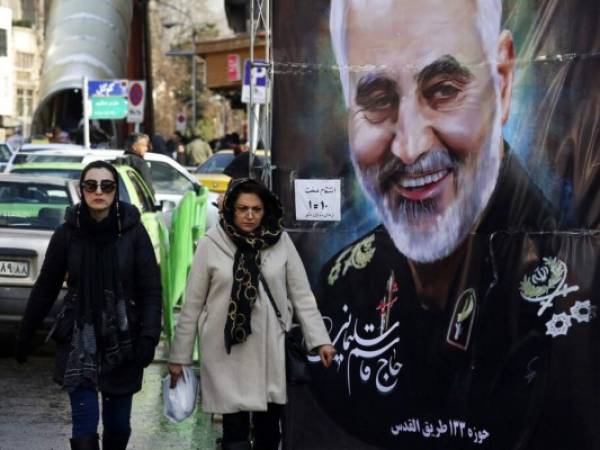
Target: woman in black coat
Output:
[(109, 325)]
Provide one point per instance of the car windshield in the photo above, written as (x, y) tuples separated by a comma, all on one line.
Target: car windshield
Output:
[(21, 158), (37, 206), (216, 163), (4, 153), (71, 174), (167, 180)]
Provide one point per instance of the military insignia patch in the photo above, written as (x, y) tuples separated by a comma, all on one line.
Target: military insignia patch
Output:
[(463, 317), (358, 257)]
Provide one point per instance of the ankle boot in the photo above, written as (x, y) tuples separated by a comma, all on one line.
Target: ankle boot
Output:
[(237, 445), (114, 442), (89, 442)]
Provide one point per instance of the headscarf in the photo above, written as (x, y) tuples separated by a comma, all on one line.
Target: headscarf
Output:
[(246, 263)]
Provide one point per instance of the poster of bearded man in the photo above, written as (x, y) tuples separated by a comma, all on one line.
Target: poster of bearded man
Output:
[(460, 286)]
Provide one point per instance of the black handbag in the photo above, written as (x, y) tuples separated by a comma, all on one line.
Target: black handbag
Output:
[(296, 362), (62, 329)]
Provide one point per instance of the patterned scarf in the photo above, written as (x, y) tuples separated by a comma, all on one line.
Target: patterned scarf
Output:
[(246, 263)]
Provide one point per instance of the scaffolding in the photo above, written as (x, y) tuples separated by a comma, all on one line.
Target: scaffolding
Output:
[(260, 112)]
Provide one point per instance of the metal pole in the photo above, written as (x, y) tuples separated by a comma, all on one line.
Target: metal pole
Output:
[(86, 114), (193, 60), (194, 76)]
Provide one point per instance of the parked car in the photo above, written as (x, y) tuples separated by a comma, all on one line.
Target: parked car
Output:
[(5, 155), (170, 179), (31, 207), (132, 189), (210, 172)]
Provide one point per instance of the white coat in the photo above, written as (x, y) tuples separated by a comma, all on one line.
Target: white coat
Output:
[(253, 374)]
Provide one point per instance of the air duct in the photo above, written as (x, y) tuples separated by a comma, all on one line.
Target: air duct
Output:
[(83, 38)]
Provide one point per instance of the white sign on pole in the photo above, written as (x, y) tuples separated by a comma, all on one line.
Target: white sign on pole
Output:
[(318, 200), (258, 82), (180, 122), (137, 100)]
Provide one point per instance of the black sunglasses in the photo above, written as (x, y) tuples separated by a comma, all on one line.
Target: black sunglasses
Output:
[(107, 186)]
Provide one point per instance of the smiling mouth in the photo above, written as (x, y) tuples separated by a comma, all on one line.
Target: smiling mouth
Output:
[(424, 186), (412, 182)]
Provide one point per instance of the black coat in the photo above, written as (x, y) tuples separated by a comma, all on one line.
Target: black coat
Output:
[(140, 278)]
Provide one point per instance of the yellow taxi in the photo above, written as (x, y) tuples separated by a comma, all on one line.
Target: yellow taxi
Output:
[(210, 172)]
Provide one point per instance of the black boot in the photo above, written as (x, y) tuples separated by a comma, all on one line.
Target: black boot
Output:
[(89, 442), (237, 445), (114, 442)]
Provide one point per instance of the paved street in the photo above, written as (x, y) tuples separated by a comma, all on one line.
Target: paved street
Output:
[(34, 412)]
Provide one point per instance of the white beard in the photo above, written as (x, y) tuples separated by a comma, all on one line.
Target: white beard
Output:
[(474, 188)]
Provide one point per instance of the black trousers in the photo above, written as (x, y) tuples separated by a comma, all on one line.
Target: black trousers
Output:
[(265, 426)]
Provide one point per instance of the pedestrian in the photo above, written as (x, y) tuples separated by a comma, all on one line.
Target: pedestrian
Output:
[(136, 147), (227, 296), (198, 151), (110, 320), (159, 145)]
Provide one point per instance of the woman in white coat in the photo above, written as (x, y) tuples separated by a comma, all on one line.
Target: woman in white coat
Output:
[(241, 339)]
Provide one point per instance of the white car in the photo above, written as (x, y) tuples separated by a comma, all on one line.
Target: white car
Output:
[(171, 181), (31, 208)]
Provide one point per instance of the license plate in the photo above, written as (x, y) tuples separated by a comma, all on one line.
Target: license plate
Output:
[(14, 269)]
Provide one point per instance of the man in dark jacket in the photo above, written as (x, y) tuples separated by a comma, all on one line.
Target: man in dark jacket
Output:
[(136, 146)]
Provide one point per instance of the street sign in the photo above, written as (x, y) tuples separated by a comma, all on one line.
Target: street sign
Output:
[(137, 96), (180, 122), (108, 107), (259, 82), (108, 99), (107, 88)]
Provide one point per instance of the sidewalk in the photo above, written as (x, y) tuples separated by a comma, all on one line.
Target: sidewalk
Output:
[(35, 413)]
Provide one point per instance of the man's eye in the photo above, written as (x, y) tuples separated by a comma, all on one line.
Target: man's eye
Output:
[(376, 116), (441, 93)]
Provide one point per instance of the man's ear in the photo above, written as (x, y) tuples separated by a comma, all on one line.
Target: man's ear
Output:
[(506, 70)]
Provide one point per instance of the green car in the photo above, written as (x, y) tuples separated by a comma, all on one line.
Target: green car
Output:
[(132, 189)]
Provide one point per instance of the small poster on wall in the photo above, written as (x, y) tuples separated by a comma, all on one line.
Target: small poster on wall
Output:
[(317, 200)]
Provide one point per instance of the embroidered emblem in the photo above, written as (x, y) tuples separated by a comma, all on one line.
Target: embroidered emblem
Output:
[(546, 284), (463, 317), (358, 257)]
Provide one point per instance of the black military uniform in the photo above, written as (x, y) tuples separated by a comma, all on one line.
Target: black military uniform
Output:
[(483, 372)]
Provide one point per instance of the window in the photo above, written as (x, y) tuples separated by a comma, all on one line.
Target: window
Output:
[(24, 60), (24, 102), (144, 198), (166, 179), (29, 12), (5, 153), (3, 43)]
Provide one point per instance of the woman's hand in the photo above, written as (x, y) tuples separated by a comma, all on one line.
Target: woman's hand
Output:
[(327, 352), (176, 371)]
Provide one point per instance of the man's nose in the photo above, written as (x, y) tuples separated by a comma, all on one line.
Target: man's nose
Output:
[(413, 132)]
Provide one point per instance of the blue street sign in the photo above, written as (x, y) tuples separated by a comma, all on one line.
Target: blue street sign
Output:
[(259, 82), (107, 88), (259, 73)]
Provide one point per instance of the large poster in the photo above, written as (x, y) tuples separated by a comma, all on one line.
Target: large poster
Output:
[(460, 285)]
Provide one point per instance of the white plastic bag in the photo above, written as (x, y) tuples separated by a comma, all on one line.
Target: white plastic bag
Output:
[(179, 402)]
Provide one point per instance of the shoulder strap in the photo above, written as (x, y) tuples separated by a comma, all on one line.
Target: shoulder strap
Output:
[(272, 301)]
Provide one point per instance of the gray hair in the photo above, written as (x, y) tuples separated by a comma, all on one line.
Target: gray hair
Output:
[(489, 16)]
